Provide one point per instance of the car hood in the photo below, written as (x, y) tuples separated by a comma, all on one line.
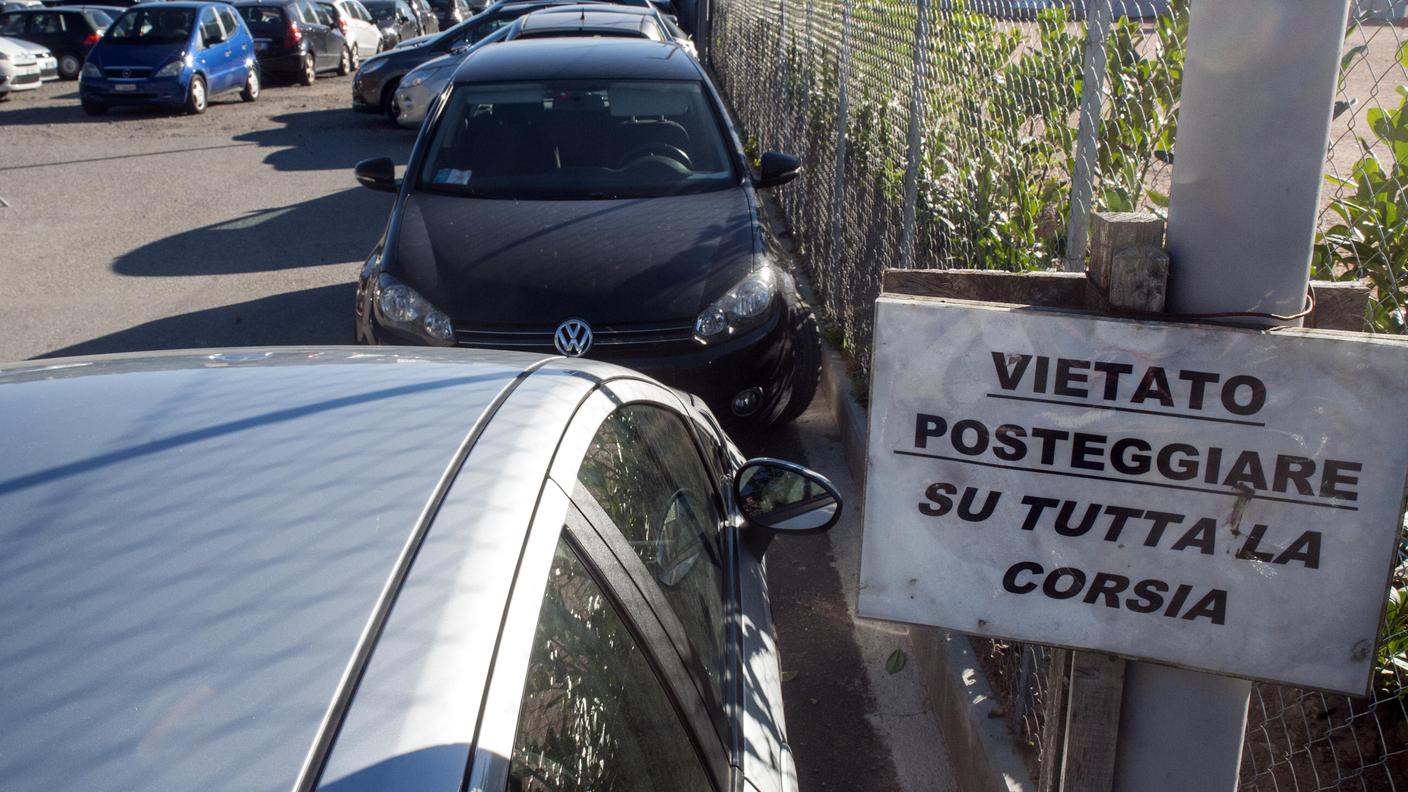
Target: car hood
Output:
[(37, 50), (141, 55), (13, 49), (418, 41), (501, 262)]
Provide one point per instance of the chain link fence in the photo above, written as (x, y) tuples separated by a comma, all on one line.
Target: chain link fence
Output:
[(982, 134)]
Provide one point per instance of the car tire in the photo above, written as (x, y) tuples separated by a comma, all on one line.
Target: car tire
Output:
[(388, 101), (346, 64), (251, 86), (806, 369), (90, 107), (70, 65), (310, 70), (196, 97)]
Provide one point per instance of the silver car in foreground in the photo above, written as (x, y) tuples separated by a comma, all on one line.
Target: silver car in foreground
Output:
[(350, 570)]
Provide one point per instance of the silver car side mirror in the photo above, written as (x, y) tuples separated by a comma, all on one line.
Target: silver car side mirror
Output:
[(783, 497)]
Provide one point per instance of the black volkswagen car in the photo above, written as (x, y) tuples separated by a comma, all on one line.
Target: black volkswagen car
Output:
[(591, 196), (69, 33), (293, 40)]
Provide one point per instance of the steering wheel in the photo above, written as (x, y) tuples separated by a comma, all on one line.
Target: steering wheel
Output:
[(658, 148)]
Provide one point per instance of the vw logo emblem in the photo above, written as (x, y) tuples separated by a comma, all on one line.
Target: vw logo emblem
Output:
[(126, 72), (573, 338)]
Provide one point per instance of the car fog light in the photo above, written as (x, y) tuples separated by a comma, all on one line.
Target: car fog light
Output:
[(747, 402)]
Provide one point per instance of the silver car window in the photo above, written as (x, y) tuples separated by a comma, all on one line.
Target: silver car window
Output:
[(594, 717), (645, 473)]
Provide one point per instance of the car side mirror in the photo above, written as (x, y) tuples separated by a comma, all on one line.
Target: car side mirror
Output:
[(782, 497), (776, 169), (378, 174)]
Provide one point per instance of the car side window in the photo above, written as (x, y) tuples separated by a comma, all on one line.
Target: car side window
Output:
[(209, 28), (644, 471), (12, 24), (232, 23), (594, 716), (47, 23)]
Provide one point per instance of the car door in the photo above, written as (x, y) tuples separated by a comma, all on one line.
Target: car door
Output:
[(587, 694), (212, 59), (239, 44), (46, 28), (317, 34)]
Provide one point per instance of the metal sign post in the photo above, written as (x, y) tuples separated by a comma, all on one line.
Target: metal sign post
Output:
[(1258, 90)]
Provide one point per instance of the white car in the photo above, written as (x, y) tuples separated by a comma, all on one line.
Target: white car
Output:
[(357, 26), (48, 64), (422, 84), (349, 570), (19, 69)]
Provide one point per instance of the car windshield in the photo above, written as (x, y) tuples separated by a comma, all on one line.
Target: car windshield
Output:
[(383, 13), (576, 140), (264, 20), (152, 26)]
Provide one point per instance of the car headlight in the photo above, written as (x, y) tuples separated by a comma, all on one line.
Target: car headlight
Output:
[(743, 307), (402, 307), (90, 69), (173, 68)]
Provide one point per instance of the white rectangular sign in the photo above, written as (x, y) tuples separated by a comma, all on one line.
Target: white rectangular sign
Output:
[(1220, 499)]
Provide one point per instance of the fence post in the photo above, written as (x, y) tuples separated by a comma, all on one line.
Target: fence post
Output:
[(1252, 135), (916, 129), (838, 200), (1098, 21)]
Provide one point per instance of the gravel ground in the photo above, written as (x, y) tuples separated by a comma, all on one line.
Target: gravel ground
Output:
[(146, 230)]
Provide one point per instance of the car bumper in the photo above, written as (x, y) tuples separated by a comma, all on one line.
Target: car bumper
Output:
[(412, 103), (152, 90), (760, 360), (48, 69), (20, 78), (287, 64)]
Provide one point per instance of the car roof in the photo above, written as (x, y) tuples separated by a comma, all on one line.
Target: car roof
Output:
[(587, 22), (575, 58), (194, 542)]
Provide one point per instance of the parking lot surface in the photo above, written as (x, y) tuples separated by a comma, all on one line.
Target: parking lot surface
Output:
[(244, 226), (151, 230)]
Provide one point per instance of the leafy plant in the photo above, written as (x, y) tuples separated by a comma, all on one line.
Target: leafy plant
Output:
[(1370, 239)]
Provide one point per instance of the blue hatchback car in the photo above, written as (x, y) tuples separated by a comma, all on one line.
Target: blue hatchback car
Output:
[(173, 54)]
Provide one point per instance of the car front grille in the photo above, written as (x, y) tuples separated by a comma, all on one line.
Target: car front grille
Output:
[(622, 338), (128, 72), (27, 79)]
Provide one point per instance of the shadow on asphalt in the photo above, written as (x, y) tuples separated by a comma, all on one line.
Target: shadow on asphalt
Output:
[(333, 229), (330, 139), (309, 317), (828, 701)]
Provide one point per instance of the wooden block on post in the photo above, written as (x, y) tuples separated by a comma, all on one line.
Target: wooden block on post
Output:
[(1339, 305), (1092, 723), (1111, 232), (1138, 279), (1043, 289)]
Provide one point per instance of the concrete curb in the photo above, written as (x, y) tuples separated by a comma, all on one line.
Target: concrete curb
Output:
[(981, 750)]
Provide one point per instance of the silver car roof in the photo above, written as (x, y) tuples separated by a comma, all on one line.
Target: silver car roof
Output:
[(191, 545)]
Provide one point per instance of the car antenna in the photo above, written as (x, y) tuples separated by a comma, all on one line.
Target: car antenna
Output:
[(583, 17)]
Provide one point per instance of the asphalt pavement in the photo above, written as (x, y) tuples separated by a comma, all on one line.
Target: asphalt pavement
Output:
[(244, 226)]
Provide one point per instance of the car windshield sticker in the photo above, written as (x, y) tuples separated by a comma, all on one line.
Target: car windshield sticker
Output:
[(452, 176)]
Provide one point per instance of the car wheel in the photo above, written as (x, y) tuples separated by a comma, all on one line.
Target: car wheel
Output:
[(196, 98), (69, 66), (806, 369), (389, 108), (310, 70), (345, 64), (90, 107), (251, 86)]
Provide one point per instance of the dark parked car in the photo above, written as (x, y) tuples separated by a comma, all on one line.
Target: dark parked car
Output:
[(397, 20), (67, 32), (425, 15), (449, 13), (293, 39), (591, 196), (172, 54), (374, 86)]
